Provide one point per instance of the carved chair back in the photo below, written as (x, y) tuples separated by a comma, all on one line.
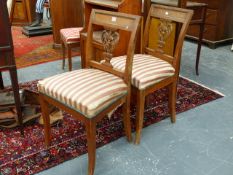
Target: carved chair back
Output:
[(167, 19), (111, 23)]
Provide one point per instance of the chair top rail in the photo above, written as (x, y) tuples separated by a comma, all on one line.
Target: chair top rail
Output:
[(179, 3), (170, 13), (115, 20)]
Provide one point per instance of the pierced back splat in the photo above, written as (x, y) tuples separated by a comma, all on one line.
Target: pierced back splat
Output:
[(110, 39), (164, 30)]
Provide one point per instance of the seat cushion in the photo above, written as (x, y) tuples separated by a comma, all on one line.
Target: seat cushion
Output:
[(147, 69), (71, 35), (88, 91)]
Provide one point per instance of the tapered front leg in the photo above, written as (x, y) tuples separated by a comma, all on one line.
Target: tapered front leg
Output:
[(45, 114), (139, 114), (126, 119), (172, 101), (91, 144)]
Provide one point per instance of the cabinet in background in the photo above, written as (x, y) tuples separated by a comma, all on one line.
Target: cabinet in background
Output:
[(218, 23), (22, 12)]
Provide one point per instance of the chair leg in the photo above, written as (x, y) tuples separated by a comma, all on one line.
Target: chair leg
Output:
[(63, 55), (139, 114), (126, 119), (69, 58), (172, 101), (91, 144), (45, 114)]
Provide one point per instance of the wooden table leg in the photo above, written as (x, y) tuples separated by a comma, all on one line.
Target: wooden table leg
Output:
[(201, 32), (15, 87)]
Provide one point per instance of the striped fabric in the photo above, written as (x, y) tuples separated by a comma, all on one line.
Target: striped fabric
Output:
[(88, 91), (71, 35), (147, 69)]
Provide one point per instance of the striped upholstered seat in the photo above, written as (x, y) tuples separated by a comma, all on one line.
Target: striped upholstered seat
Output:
[(88, 91), (147, 69), (70, 35)]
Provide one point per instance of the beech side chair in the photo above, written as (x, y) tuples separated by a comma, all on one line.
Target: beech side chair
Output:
[(91, 93), (155, 69), (70, 38), (198, 18)]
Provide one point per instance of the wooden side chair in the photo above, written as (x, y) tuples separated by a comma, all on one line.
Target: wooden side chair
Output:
[(91, 93), (70, 38), (156, 67), (197, 20)]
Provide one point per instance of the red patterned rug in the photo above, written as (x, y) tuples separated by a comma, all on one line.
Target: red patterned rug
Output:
[(34, 50), (28, 155)]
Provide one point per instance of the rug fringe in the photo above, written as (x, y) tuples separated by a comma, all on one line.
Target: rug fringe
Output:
[(214, 90)]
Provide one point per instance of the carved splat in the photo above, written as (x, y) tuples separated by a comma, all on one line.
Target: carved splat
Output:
[(110, 39), (164, 31)]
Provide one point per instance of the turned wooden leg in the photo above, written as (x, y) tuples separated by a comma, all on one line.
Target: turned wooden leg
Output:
[(69, 58), (140, 114), (45, 114), (172, 101), (91, 144), (63, 55), (15, 87), (126, 119)]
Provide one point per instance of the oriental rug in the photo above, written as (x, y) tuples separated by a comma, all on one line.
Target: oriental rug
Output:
[(34, 50), (28, 155)]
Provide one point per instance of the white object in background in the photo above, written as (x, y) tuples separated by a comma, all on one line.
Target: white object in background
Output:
[(232, 47), (9, 4)]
